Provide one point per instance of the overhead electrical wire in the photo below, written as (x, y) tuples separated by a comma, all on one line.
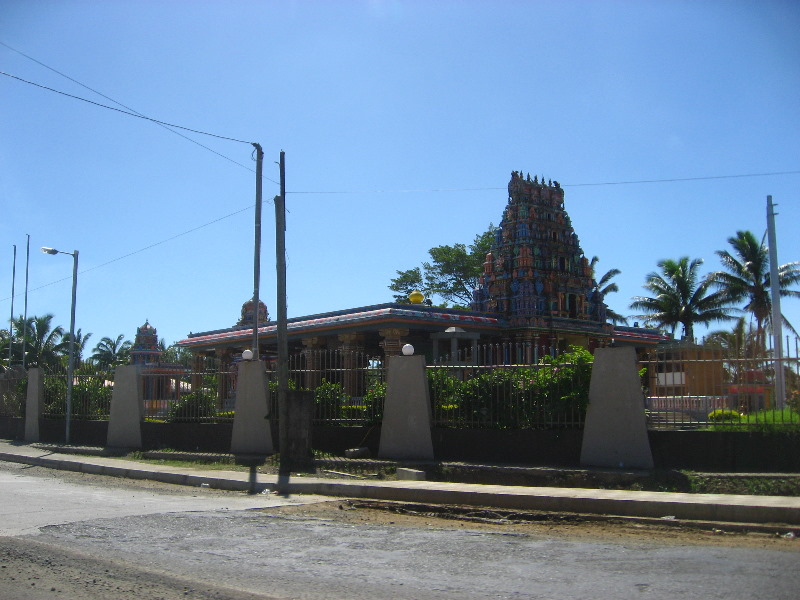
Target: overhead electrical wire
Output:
[(169, 126), (140, 250), (125, 112), (117, 102), (482, 189)]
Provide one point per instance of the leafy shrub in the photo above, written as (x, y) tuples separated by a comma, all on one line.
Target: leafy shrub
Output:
[(328, 400), (564, 381), (192, 407), (373, 402), (445, 389), (722, 414), (12, 396), (91, 397), (557, 389)]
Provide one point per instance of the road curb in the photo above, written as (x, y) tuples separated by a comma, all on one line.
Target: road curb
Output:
[(695, 507)]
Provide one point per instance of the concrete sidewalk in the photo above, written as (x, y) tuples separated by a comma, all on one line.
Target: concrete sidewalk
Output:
[(694, 507)]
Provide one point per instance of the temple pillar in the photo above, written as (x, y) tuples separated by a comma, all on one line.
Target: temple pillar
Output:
[(197, 371), (393, 339), (312, 355), (525, 342), (225, 361), (352, 351)]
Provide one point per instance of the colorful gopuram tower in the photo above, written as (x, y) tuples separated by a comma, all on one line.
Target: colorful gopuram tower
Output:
[(249, 314), (145, 348), (536, 277)]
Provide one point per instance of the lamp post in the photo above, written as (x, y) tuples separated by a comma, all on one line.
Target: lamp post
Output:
[(71, 359)]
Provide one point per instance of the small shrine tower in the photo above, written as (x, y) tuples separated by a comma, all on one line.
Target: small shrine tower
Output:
[(248, 314), (145, 348), (536, 276)]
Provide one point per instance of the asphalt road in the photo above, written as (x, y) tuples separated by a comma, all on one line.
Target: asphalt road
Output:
[(83, 537)]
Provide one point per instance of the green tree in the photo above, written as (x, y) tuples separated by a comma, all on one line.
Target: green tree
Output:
[(110, 353), (175, 354), (681, 297), (80, 345), (43, 342), (406, 282), (746, 278), (740, 342), (605, 287), (451, 274)]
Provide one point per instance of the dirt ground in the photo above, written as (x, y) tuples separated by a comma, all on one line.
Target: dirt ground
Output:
[(567, 526), (33, 570)]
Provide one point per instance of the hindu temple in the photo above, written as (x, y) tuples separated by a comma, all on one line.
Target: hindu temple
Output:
[(536, 278), (160, 379), (536, 292)]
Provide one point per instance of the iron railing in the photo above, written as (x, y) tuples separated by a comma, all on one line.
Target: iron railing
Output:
[(509, 397), (13, 387), (349, 386), (204, 392), (487, 386), (92, 389), (702, 387)]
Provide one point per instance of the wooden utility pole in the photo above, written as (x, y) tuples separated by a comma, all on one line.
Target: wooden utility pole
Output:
[(283, 347), (11, 322), (777, 316), (257, 251)]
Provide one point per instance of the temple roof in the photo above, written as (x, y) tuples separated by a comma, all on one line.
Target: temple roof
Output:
[(374, 317)]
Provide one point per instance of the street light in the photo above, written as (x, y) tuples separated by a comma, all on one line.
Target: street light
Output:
[(71, 359)]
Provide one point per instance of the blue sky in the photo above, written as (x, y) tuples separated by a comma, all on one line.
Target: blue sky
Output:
[(401, 122)]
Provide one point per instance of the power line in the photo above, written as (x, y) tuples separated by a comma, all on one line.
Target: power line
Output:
[(140, 250), (125, 112), (482, 189), (102, 95), (674, 179)]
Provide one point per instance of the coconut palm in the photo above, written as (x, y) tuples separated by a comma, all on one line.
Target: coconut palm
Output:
[(110, 353), (604, 286), (740, 348), (746, 278), (681, 297), (43, 347), (80, 345), (740, 342)]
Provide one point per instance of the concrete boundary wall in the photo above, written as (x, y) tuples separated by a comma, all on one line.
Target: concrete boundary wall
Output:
[(34, 404), (127, 409), (406, 427), (251, 428)]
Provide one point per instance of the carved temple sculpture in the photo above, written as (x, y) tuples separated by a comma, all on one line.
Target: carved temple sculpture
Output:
[(536, 277)]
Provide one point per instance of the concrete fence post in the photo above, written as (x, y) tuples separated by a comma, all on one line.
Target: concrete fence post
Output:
[(615, 432), (406, 427), (251, 427), (34, 404), (127, 409)]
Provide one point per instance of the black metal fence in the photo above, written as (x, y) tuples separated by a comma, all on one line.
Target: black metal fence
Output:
[(349, 386), (92, 389), (13, 388), (704, 387), (487, 386), (510, 386)]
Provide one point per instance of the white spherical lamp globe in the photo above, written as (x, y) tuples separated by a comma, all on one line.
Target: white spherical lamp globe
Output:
[(247, 355), (408, 350)]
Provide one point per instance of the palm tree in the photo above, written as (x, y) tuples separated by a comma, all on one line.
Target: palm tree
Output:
[(740, 348), (80, 345), (604, 286), (746, 278), (740, 342), (681, 297), (43, 346), (110, 353)]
